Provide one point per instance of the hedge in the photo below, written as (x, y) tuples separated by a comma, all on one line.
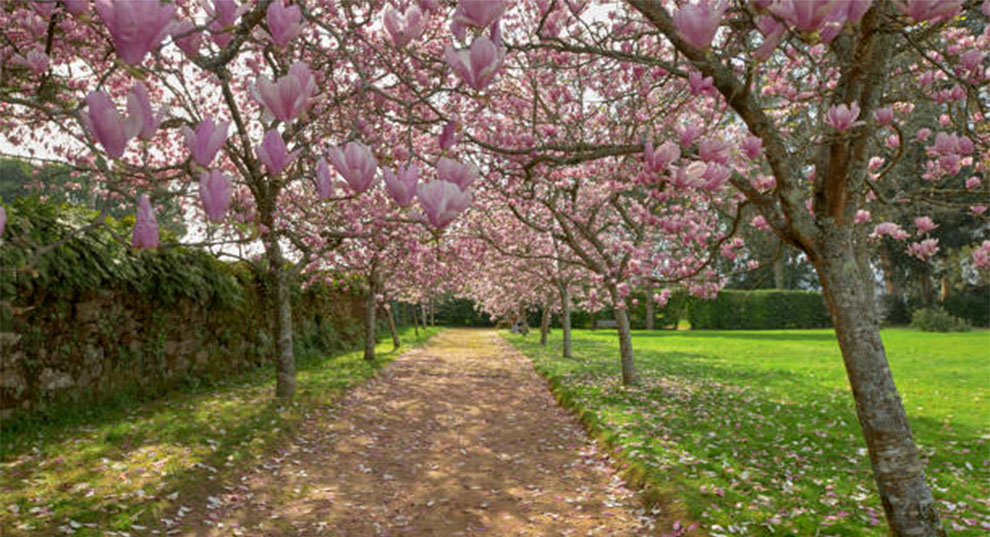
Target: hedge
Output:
[(760, 310)]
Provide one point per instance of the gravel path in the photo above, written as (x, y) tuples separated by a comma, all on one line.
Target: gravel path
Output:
[(458, 437)]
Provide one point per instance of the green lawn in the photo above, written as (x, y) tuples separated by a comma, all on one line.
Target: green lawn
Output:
[(120, 467), (754, 432)]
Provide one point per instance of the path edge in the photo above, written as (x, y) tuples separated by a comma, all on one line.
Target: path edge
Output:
[(637, 476)]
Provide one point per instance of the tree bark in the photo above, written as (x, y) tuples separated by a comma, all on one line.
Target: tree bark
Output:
[(391, 327), (625, 337), (370, 308), (415, 321), (625, 346), (897, 468), (565, 321), (433, 313), (651, 311), (285, 362), (545, 324), (779, 264)]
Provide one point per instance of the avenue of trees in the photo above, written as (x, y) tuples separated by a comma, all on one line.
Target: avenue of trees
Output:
[(534, 152)]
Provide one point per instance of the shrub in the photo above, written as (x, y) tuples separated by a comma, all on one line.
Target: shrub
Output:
[(895, 309), (938, 320), (973, 305), (760, 310)]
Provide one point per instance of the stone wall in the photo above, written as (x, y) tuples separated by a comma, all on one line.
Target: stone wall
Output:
[(90, 346)]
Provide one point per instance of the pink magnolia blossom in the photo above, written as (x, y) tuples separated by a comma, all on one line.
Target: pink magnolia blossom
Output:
[(137, 27), (862, 217), (36, 60), (842, 117), (657, 160), (973, 182), (662, 297), (448, 136), (945, 143), (107, 125), (3, 219), (478, 65), (924, 224), (206, 140), (923, 250), (442, 201), (923, 134), (981, 255), (716, 175), (930, 10), (273, 153), (287, 97), (964, 145), (760, 222), (713, 150), (805, 15), (224, 15), (451, 171), (479, 13), (773, 31), (891, 229), (687, 134), (884, 116), (187, 38), (971, 59), (214, 192), (404, 27), (324, 182), (76, 7), (700, 84), (356, 165), (697, 23), (401, 185), (145, 233), (139, 107), (284, 22), (978, 209), (751, 146), (690, 176)]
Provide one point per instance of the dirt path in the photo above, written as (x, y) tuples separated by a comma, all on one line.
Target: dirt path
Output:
[(459, 437)]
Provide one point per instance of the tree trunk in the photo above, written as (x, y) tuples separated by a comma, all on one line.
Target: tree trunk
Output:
[(625, 338), (897, 469), (545, 324), (391, 326), (887, 266), (565, 321), (433, 313), (415, 321), (423, 314), (369, 324), (651, 311), (625, 346), (779, 264), (285, 362)]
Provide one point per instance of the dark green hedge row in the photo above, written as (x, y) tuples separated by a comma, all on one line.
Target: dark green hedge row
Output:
[(759, 310)]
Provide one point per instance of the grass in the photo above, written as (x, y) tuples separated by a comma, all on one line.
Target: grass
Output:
[(754, 432), (120, 468)]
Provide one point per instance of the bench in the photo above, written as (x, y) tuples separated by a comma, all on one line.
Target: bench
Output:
[(606, 323)]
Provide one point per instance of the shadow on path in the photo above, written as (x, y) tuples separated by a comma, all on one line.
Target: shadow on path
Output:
[(459, 437)]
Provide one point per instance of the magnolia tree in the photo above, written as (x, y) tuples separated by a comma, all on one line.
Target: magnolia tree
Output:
[(242, 113), (812, 97), (523, 266)]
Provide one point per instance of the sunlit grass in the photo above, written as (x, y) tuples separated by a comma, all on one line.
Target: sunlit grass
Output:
[(754, 432), (119, 466)]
